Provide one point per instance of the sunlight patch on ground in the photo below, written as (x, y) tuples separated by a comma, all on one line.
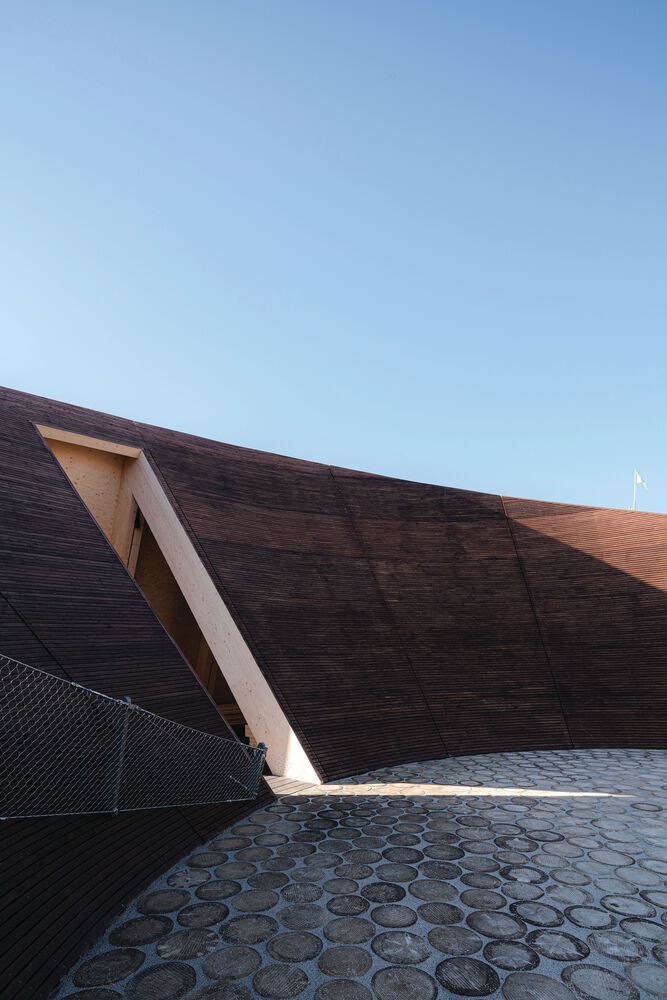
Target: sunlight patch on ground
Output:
[(412, 790)]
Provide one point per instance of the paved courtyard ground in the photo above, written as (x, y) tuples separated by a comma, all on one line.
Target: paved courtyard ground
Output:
[(531, 876)]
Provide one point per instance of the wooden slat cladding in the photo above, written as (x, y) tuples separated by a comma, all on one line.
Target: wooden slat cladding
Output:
[(394, 621), (398, 620), (68, 606), (447, 567), (280, 545), (599, 585), (66, 416)]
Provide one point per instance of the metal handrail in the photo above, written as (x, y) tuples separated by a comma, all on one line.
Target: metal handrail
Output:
[(68, 750)]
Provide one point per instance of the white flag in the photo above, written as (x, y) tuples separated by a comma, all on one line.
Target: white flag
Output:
[(639, 481)]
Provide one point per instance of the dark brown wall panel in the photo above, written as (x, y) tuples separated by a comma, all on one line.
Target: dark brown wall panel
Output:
[(447, 567), (68, 606), (278, 541), (399, 620), (394, 621), (598, 580)]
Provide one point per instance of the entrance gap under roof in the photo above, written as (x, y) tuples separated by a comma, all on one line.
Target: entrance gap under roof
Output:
[(123, 494)]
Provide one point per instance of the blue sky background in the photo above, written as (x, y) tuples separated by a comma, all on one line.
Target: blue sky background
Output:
[(427, 239)]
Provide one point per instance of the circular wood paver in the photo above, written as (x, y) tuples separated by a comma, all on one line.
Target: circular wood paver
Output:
[(109, 967), (467, 977), (485, 891)]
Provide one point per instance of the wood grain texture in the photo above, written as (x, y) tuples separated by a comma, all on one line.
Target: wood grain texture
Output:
[(394, 621), (68, 606), (599, 585), (399, 620), (447, 566)]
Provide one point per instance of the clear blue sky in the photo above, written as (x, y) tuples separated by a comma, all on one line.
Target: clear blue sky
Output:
[(427, 239)]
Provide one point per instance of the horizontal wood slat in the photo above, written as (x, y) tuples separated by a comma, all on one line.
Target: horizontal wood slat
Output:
[(68, 606), (599, 580), (394, 621)]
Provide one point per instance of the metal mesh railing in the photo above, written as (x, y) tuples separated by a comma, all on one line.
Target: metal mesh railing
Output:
[(65, 749)]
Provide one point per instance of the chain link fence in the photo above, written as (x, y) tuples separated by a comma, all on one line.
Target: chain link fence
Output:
[(65, 750)]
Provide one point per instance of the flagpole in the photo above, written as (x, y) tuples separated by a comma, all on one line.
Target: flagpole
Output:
[(634, 490)]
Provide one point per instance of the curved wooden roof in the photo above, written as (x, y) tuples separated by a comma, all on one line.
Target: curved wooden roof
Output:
[(394, 621)]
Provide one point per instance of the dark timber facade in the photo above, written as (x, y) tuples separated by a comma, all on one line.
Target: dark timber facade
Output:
[(393, 622)]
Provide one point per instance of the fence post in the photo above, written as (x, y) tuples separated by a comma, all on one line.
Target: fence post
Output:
[(256, 768), (119, 751)]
